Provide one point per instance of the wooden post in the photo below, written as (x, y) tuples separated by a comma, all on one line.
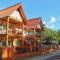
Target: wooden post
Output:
[(34, 32), (22, 36), (38, 48), (5, 50), (30, 48), (34, 39), (41, 40), (7, 32)]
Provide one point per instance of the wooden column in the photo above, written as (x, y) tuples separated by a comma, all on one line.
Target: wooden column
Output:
[(7, 32), (38, 48), (34, 32), (5, 50), (30, 48), (22, 37), (34, 40)]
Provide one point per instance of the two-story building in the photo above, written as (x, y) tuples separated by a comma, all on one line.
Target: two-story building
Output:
[(12, 20)]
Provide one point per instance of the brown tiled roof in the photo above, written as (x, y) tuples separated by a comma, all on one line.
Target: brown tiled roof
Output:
[(6, 12), (33, 23)]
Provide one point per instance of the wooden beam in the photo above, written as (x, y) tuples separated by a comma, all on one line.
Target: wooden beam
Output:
[(22, 37), (22, 14), (7, 32)]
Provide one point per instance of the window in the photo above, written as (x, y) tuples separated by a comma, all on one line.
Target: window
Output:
[(2, 29)]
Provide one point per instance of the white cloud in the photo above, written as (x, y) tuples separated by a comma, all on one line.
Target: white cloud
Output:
[(53, 19), (51, 23)]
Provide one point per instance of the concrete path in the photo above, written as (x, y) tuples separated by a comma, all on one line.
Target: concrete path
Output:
[(50, 56)]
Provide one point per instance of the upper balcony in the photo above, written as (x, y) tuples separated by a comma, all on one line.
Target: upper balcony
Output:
[(12, 30)]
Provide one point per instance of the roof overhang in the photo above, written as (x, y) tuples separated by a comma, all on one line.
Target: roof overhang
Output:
[(6, 12)]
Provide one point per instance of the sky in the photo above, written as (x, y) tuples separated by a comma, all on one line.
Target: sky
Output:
[(48, 10)]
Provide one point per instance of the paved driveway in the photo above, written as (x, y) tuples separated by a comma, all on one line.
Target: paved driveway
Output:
[(51, 56)]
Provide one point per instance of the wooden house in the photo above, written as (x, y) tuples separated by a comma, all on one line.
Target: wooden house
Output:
[(34, 30), (12, 20)]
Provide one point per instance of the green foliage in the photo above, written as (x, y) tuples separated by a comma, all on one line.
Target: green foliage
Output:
[(58, 35), (55, 35)]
